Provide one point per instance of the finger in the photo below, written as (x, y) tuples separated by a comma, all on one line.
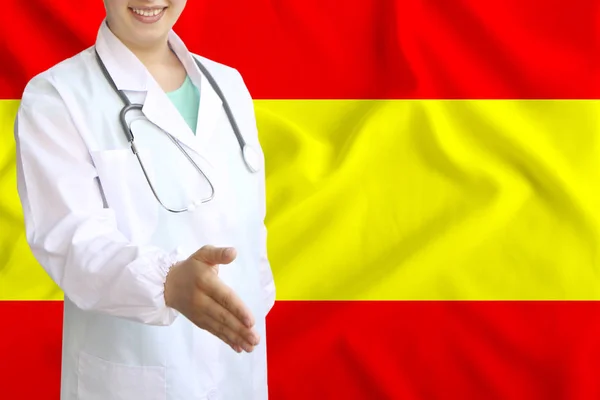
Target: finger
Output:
[(243, 334), (212, 328), (206, 323), (225, 296), (212, 255), (229, 336)]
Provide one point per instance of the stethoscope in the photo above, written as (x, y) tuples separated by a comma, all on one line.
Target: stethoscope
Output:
[(250, 156)]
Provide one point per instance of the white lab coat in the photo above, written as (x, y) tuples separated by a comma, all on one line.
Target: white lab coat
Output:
[(95, 227)]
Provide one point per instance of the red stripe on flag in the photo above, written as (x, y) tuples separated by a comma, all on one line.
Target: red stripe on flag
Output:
[(374, 350), (435, 350), (358, 49), (30, 349)]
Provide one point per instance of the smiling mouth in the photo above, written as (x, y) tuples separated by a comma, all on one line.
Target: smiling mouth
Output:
[(147, 15), (147, 12)]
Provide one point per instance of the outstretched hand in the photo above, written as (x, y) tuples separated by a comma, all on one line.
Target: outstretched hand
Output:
[(194, 289)]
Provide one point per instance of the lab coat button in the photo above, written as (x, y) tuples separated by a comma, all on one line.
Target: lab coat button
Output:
[(213, 395)]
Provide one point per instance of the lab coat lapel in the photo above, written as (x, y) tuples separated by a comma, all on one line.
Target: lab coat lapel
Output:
[(211, 107), (159, 109), (210, 111)]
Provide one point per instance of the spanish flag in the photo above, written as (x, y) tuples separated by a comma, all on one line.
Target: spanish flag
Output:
[(433, 181)]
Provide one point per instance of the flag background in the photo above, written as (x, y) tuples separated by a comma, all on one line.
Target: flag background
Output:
[(432, 173)]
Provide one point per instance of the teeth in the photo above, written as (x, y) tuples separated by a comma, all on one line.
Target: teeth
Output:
[(147, 13)]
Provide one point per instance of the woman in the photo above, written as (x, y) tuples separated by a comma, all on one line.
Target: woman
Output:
[(149, 314)]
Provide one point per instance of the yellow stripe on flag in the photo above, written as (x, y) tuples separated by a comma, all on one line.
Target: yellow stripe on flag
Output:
[(414, 199), (21, 278), (433, 199)]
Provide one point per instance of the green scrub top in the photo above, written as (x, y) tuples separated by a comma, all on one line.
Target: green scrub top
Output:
[(187, 99)]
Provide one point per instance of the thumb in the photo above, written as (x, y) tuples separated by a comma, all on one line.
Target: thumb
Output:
[(212, 255)]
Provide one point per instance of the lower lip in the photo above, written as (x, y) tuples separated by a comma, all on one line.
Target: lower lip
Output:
[(148, 20)]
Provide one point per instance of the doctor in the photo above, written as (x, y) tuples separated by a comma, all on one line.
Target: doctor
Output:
[(137, 233)]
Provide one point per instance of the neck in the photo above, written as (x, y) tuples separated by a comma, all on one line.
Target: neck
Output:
[(158, 53), (149, 54)]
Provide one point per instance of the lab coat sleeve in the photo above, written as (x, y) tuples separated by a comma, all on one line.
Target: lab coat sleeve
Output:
[(266, 272), (71, 234)]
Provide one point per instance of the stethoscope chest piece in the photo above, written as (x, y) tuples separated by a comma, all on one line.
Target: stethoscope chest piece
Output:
[(251, 158)]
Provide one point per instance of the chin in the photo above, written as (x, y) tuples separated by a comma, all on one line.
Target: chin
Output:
[(147, 35)]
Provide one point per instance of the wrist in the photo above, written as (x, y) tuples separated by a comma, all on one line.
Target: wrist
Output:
[(169, 292)]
